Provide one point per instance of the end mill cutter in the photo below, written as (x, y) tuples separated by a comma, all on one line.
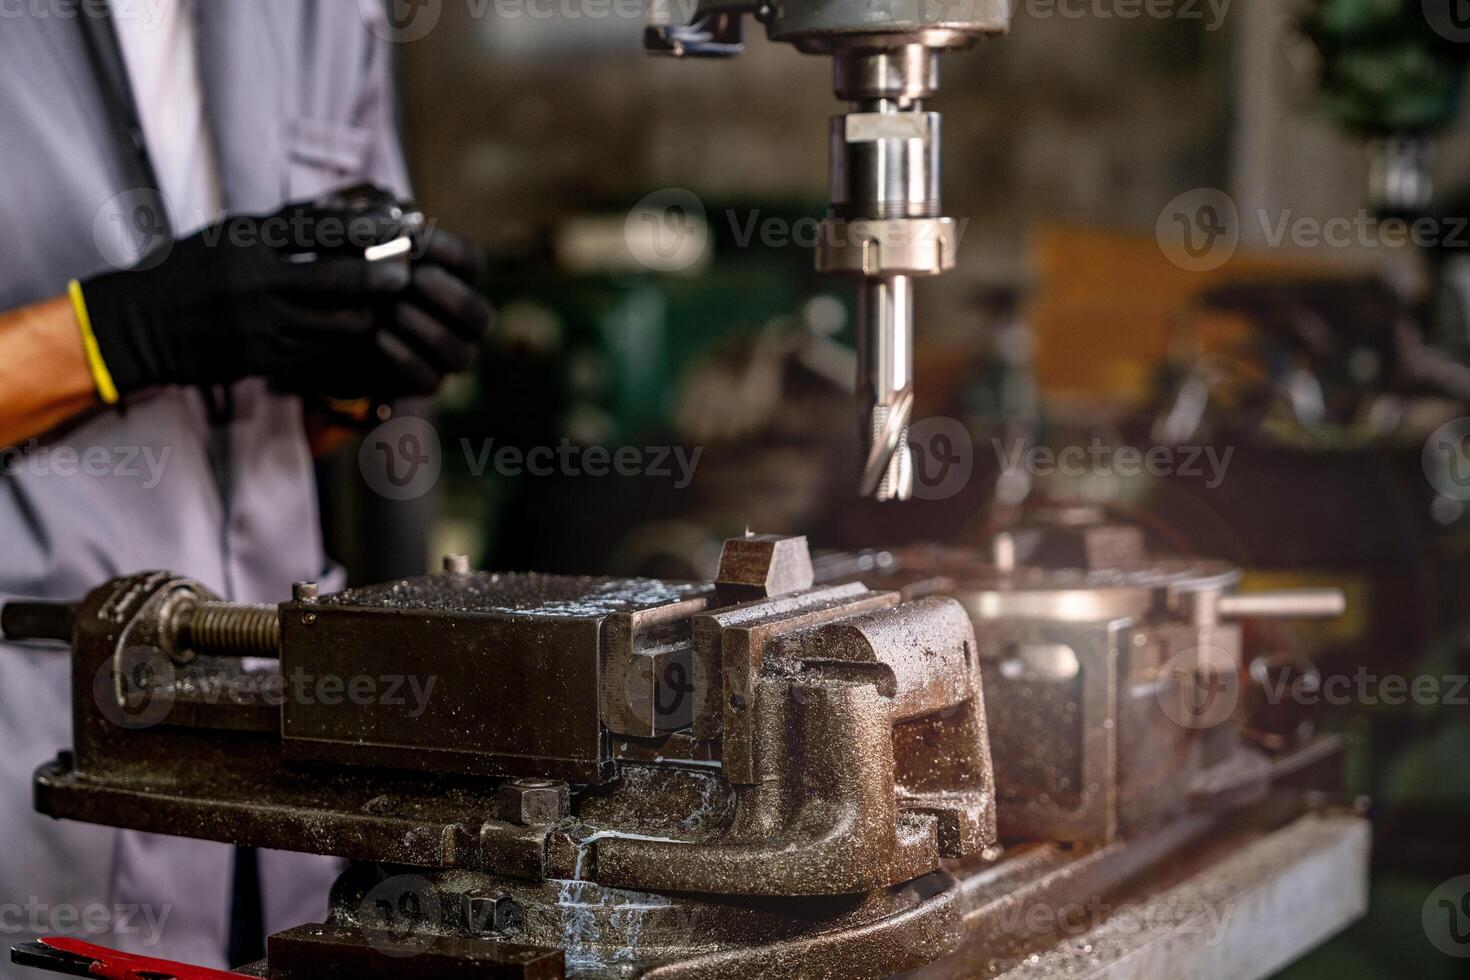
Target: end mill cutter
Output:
[(884, 225)]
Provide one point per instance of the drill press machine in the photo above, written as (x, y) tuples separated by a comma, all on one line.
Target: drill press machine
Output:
[(884, 224)]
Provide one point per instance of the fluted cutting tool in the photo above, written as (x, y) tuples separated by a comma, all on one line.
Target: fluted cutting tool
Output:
[(884, 225)]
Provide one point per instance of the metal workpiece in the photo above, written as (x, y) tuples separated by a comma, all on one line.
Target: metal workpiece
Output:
[(763, 566)]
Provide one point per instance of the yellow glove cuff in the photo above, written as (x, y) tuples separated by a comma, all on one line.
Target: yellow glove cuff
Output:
[(101, 377)]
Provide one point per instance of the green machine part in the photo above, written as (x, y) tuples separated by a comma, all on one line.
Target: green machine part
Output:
[(1390, 67)]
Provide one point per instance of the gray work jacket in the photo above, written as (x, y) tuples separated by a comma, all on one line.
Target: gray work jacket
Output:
[(298, 95)]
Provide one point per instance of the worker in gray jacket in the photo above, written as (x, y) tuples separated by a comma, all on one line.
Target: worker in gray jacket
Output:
[(150, 362)]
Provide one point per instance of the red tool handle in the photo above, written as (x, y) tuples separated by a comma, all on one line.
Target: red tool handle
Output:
[(113, 965)]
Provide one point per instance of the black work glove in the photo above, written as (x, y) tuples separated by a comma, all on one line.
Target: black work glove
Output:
[(221, 306), (437, 325)]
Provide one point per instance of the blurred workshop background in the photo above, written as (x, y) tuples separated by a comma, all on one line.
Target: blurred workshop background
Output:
[(1321, 361)]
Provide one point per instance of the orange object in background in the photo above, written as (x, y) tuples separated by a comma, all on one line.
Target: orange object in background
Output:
[(1109, 306)]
